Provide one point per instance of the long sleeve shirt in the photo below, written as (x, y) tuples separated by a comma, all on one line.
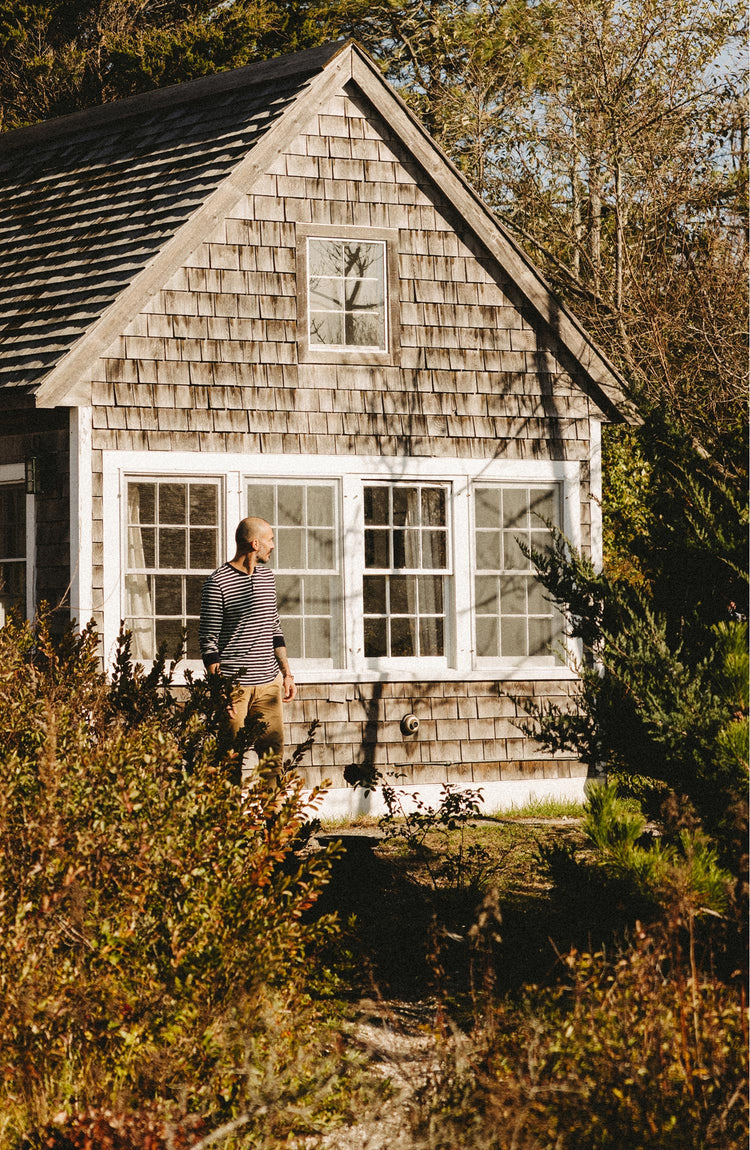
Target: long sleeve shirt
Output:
[(239, 624)]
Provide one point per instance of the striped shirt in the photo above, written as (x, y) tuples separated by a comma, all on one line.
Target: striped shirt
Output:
[(239, 626)]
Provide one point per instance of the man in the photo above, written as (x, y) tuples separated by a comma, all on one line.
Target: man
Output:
[(240, 635)]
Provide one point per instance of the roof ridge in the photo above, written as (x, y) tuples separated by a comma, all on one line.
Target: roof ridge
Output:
[(309, 60)]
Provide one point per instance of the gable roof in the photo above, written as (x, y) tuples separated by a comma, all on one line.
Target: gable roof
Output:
[(101, 207)]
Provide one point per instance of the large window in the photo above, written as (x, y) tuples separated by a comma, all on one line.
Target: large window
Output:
[(404, 569), (307, 562), (172, 545), (346, 294), (406, 563), (12, 549), (514, 619)]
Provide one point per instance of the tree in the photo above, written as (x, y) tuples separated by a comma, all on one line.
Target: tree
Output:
[(58, 56), (664, 705), (609, 135)]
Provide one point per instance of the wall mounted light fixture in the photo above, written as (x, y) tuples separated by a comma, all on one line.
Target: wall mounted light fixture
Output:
[(31, 474)]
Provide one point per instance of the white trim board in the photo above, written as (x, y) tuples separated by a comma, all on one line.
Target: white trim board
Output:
[(352, 802)]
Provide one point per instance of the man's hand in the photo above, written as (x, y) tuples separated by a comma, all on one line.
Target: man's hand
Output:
[(290, 687)]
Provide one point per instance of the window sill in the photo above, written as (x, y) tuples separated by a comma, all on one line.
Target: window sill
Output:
[(498, 672)]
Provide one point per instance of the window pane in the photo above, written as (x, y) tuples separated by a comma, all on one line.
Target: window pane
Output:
[(318, 638), (487, 637), (292, 629), (168, 594), (202, 548), (405, 507), (433, 506), (172, 547), (513, 635), (141, 547), (261, 502), (327, 328), (364, 295), (539, 603), (326, 294), (319, 594), (543, 505), (169, 631), (485, 594), (434, 549), (406, 549), (138, 597), (515, 560), (489, 552), (364, 330), (325, 257), (290, 547), (375, 640), (172, 498), (143, 644), (403, 638), (204, 504), (430, 594), (320, 506), (376, 506), (513, 595), (541, 541), (540, 637), (374, 594), (376, 548), (515, 507), (431, 637), (142, 502), (193, 649), (289, 594), (403, 594), (320, 553), (363, 259), (291, 505), (193, 589), (487, 506)]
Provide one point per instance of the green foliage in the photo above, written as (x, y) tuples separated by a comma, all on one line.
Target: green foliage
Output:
[(641, 1050), (437, 837), (155, 933), (680, 872), (666, 698)]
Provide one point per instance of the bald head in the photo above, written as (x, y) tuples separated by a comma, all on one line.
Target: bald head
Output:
[(250, 533)]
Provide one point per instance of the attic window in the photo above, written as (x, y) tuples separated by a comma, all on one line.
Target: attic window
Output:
[(346, 294)]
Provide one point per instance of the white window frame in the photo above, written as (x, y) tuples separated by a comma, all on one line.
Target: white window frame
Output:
[(337, 621), (309, 352), (162, 570), (11, 474), (504, 485), (352, 473)]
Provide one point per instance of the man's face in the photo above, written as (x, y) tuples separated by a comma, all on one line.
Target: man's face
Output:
[(265, 544)]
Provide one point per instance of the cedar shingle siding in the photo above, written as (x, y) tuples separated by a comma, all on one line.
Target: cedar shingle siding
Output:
[(208, 360)]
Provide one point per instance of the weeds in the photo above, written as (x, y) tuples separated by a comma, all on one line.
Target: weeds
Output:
[(155, 934)]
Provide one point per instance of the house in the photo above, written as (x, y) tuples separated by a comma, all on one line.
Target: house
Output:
[(267, 291)]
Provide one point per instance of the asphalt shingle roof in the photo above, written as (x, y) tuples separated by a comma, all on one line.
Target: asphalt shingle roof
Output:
[(87, 200)]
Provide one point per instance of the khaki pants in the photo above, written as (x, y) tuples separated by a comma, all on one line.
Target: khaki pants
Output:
[(261, 701)]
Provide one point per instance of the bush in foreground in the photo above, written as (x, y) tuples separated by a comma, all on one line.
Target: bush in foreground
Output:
[(638, 1051), (154, 935)]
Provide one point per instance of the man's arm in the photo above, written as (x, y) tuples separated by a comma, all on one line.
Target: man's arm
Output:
[(290, 687), (212, 606)]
